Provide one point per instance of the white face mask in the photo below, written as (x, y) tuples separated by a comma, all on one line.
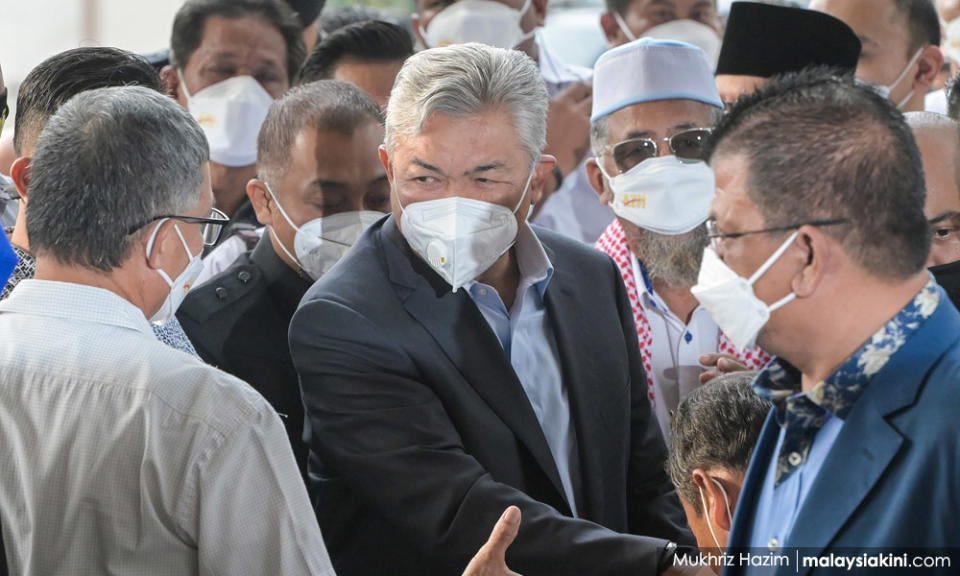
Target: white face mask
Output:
[(230, 113), (885, 91), (460, 238), (484, 21), (706, 511), (179, 287), (730, 299), (685, 30), (322, 242), (665, 194)]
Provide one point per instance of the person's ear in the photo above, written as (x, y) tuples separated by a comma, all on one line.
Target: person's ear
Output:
[(539, 8), (715, 504), (171, 83), (811, 250), (611, 30), (597, 181), (387, 165), (161, 255), (260, 199), (543, 170), (415, 26), (20, 174), (930, 64)]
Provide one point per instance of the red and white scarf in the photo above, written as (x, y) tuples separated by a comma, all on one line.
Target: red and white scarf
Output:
[(614, 242)]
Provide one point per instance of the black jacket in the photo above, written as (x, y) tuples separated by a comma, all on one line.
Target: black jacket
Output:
[(422, 434)]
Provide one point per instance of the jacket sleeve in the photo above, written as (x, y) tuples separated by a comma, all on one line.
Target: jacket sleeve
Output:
[(653, 506), (385, 432)]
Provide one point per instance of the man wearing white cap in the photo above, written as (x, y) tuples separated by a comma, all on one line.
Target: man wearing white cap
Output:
[(649, 128)]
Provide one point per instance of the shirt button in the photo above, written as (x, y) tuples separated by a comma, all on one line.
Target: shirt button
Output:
[(221, 292), (794, 458), (483, 291), (243, 276), (774, 544)]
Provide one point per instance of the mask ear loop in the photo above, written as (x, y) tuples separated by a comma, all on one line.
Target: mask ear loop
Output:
[(623, 26), (767, 265), (183, 84), (706, 512), (289, 221), (153, 238), (903, 75)]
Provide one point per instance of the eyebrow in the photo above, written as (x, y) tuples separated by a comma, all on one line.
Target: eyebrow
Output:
[(426, 166), (486, 167), (945, 216)]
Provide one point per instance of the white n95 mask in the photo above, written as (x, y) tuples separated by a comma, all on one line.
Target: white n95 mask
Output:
[(665, 194), (485, 21), (230, 113), (460, 238), (179, 287), (322, 242), (730, 299)]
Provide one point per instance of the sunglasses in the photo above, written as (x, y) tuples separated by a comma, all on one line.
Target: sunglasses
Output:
[(687, 145)]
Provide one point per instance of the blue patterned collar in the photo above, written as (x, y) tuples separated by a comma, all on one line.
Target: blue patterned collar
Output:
[(802, 414)]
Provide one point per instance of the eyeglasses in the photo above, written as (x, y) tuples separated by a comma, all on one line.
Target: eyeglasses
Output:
[(689, 145), (716, 236), (212, 225)]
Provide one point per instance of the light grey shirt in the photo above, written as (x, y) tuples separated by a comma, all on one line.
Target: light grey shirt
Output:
[(120, 455), (528, 341)]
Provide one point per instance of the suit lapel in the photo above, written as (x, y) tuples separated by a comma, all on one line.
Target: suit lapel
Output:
[(461, 331), (574, 342)]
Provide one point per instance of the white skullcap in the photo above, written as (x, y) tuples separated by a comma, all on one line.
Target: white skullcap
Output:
[(647, 70)]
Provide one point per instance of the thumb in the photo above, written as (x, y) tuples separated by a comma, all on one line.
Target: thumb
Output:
[(503, 533)]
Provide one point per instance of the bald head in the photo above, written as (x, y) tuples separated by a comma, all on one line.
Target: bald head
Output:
[(938, 138)]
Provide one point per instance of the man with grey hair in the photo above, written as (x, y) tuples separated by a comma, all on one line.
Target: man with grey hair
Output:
[(649, 132), (450, 366), (713, 432), (155, 462)]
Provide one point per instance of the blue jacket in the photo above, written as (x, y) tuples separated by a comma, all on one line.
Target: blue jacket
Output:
[(892, 479)]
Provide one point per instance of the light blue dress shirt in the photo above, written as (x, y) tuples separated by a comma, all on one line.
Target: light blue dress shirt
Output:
[(528, 341), (777, 508)]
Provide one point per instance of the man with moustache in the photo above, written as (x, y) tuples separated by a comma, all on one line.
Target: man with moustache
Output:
[(648, 131)]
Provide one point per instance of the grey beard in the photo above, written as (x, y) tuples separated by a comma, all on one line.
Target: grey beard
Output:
[(673, 260)]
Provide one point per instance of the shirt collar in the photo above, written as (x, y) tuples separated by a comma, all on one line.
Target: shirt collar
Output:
[(75, 302), (802, 414), (535, 267)]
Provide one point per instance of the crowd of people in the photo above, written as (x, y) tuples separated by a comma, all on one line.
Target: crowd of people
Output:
[(330, 294)]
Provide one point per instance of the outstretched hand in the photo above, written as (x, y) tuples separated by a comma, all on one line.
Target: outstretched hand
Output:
[(491, 560)]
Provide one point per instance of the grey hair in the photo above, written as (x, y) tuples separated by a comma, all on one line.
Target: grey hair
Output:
[(107, 162), (469, 79), (599, 130), (717, 425)]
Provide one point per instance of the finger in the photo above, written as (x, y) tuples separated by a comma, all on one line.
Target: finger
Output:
[(503, 533), (728, 365), (707, 376), (712, 358), (575, 92)]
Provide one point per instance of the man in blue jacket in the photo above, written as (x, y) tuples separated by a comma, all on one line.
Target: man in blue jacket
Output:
[(819, 202)]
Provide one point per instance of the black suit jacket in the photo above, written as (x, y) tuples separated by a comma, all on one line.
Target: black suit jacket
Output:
[(238, 321), (422, 434)]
